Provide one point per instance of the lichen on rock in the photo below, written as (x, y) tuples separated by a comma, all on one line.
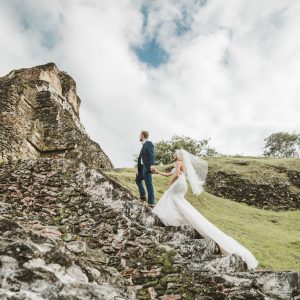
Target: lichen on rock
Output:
[(264, 183), (69, 231), (78, 228)]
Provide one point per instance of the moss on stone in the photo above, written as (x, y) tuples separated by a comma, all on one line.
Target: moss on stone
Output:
[(270, 235)]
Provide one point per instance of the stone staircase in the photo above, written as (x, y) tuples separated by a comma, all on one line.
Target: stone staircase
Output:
[(81, 235), (68, 231)]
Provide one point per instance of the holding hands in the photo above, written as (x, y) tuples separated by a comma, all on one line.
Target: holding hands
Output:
[(153, 169)]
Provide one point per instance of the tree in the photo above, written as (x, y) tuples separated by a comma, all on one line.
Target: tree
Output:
[(164, 150), (282, 144)]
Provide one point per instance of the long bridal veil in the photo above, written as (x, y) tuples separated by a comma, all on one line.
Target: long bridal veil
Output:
[(196, 170)]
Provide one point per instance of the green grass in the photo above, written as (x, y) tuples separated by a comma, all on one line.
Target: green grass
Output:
[(257, 168), (273, 237), (293, 163)]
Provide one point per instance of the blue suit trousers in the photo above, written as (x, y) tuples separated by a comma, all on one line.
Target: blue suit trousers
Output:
[(146, 176)]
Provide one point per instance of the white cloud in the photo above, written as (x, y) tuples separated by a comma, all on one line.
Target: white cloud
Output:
[(233, 76)]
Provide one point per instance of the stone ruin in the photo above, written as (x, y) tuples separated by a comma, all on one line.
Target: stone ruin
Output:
[(69, 231), (39, 117), (277, 193)]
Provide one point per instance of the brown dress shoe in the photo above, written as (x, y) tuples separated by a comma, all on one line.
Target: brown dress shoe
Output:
[(143, 198)]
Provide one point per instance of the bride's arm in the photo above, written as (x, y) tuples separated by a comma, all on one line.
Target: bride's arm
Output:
[(163, 173)]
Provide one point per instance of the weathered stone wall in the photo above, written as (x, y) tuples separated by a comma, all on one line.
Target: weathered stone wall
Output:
[(16, 113), (276, 190), (83, 236), (39, 117), (60, 82)]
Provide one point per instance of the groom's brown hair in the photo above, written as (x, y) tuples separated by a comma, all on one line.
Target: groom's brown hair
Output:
[(145, 134)]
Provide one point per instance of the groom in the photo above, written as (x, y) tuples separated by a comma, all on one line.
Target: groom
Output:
[(146, 162)]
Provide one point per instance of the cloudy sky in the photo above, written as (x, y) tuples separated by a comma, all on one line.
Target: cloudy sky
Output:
[(225, 70)]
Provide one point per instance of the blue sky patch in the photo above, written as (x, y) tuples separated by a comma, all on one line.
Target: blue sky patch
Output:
[(151, 53)]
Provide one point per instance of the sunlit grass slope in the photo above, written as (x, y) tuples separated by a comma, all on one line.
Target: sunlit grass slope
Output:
[(273, 237)]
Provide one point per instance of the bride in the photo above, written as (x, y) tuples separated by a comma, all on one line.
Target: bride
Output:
[(174, 210)]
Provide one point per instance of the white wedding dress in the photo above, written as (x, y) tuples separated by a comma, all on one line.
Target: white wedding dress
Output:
[(174, 210)]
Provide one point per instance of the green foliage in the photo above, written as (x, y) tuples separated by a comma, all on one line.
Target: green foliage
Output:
[(282, 144), (164, 150)]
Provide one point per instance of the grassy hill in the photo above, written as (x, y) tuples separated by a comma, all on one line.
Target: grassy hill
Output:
[(263, 182), (273, 237)]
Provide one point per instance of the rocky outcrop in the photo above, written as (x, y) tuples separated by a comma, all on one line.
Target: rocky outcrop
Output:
[(71, 232), (68, 231), (39, 117), (263, 185)]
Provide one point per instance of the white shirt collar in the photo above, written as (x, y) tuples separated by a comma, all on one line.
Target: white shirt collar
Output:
[(146, 140)]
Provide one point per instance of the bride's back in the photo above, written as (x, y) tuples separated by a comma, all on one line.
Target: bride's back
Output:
[(181, 166)]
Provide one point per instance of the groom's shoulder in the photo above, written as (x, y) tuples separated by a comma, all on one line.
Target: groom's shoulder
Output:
[(150, 143)]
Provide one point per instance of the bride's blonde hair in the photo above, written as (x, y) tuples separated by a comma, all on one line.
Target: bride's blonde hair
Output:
[(178, 154)]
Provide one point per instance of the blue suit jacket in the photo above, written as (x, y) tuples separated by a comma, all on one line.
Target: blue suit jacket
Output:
[(147, 155)]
